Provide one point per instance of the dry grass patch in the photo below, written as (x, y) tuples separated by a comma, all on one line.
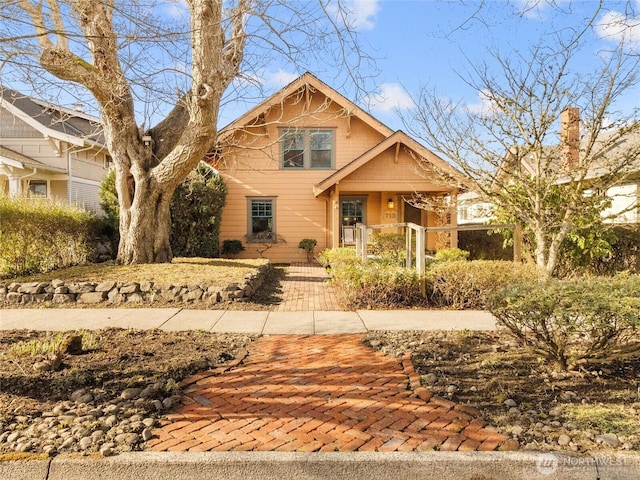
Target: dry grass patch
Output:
[(201, 271)]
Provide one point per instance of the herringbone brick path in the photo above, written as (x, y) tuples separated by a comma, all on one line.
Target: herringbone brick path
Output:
[(306, 287), (318, 393)]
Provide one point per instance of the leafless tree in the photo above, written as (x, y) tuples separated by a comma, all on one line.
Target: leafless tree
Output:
[(510, 147), (136, 57)]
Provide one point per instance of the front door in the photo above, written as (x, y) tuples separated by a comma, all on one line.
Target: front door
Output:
[(352, 211), (412, 214)]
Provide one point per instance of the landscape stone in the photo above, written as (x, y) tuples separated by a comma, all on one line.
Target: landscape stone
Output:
[(91, 297)]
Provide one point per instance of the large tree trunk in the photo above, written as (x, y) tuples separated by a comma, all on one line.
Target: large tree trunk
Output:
[(145, 228)]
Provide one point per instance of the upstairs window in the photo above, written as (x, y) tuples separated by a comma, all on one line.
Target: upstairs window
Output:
[(307, 148)]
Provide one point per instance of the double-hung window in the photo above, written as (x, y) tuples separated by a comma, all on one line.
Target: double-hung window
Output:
[(307, 148), (261, 220)]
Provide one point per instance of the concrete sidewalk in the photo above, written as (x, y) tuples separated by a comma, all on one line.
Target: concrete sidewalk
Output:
[(234, 321)]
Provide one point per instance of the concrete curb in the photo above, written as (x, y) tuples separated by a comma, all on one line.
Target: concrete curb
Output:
[(354, 465)]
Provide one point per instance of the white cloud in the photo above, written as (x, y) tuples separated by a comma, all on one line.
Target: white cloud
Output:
[(618, 27), (390, 97), (484, 106), (176, 8), (277, 80), (357, 14)]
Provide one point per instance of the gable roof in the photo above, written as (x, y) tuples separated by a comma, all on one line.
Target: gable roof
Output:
[(400, 138), (53, 121), (313, 84)]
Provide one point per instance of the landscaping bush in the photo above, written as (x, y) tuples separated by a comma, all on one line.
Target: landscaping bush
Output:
[(571, 321), (484, 245), (231, 248), (43, 235), (308, 244), (376, 285), (389, 248), (196, 208), (335, 258), (618, 250), (462, 284), (451, 255)]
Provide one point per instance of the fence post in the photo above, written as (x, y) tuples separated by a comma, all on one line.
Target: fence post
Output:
[(420, 257), (517, 243)]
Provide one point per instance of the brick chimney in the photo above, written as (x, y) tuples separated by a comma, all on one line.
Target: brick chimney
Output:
[(570, 136)]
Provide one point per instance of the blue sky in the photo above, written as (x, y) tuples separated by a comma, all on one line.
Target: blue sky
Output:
[(432, 42)]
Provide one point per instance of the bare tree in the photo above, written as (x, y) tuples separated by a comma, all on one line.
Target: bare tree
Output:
[(132, 53), (510, 148)]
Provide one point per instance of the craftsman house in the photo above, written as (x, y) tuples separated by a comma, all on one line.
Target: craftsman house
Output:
[(624, 197), (308, 163), (47, 151)]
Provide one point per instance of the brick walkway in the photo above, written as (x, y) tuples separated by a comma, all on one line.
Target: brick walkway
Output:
[(318, 393), (305, 288)]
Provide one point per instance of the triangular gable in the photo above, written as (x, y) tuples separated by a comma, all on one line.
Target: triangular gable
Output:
[(398, 138), (53, 121), (306, 80)]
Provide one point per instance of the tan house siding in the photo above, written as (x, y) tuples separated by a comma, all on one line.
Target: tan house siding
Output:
[(370, 162), (59, 190)]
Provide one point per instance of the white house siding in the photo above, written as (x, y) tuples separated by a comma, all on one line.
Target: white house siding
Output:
[(624, 204), (84, 193)]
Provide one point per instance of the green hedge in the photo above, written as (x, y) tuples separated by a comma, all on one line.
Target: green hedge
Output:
[(42, 235), (572, 321)]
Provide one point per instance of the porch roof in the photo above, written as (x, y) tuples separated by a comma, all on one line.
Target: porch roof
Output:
[(398, 139), (17, 160)]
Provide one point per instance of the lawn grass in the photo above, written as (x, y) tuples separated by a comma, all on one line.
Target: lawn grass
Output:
[(200, 271)]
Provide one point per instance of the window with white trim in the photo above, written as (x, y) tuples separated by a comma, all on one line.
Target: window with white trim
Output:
[(38, 188), (307, 148)]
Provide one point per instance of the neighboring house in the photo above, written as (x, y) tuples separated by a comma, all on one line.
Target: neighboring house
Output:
[(308, 163), (47, 151), (625, 197)]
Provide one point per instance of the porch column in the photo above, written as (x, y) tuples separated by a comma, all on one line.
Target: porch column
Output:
[(334, 206), (454, 220), (14, 185)]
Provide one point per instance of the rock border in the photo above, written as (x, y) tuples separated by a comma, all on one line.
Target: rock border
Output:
[(118, 293)]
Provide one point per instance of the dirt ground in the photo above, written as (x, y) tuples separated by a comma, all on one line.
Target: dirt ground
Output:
[(487, 369), (111, 360)]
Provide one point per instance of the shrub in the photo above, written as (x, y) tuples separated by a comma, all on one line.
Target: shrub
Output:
[(335, 258), (571, 321), (451, 255), (389, 248), (616, 249), (484, 245), (42, 235), (376, 285), (232, 248), (308, 244), (460, 284), (109, 205), (196, 208)]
